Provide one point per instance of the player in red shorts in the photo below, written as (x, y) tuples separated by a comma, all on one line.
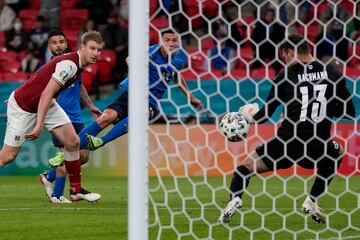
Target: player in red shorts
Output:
[(32, 106)]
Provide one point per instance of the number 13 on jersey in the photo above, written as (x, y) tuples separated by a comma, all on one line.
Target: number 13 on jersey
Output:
[(318, 110)]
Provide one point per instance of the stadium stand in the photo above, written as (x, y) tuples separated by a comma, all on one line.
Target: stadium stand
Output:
[(72, 37), (12, 67), (73, 19), (2, 39), (89, 76), (28, 17)]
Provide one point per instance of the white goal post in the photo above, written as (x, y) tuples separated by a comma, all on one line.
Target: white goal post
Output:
[(138, 120), (179, 179)]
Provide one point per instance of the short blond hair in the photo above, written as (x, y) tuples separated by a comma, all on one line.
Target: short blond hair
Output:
[(92, 36)]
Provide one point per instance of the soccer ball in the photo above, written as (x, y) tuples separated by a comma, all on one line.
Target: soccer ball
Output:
[(234, 126)]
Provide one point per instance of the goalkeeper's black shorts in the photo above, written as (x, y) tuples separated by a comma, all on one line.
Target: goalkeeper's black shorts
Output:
[(120, 105), (278, 153)]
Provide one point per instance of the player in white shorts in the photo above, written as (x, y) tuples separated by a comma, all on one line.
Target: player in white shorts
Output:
[(20, 122), (32, 107)]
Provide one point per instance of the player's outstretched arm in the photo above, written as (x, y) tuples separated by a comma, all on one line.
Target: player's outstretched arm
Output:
[(186, 91), (86, 101), (45, 100)]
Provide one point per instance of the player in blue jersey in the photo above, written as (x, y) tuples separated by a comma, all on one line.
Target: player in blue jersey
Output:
[(166, 59), (69, 100)]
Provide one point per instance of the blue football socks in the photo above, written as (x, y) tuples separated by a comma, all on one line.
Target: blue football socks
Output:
[(92, 129), (51, 174), (116, 131), (59, 186)]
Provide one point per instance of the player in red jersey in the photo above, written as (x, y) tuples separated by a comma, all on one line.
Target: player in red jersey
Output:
[(32, 106)]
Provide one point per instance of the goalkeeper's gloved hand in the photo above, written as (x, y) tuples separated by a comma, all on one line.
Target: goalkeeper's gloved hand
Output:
[(248, 111)]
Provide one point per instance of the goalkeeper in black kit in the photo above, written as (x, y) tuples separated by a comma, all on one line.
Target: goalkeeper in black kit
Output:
[(312, 95)]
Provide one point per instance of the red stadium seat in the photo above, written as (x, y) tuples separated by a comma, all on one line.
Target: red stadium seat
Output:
[(12, 67), (160, 23), (2, 39), (215, 74), (210, 8), (240, 64), (106, 64), (28, 18), (248, 19), (7, 55), (72, 39), (206, 44), (153, 6), (68, 3), (247, 53), (261, 73), (105, 71), (109, 56), (35, 4), (21, 56), (354, 57), (73, 19), (153, 36), (312, 31), (348, 5), (352, 72), (15, 77), (239, 73), (322, 7), (188, 75), (89, 75), (192, 10)]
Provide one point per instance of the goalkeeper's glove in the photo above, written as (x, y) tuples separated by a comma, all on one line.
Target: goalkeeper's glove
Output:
[(248, 111)]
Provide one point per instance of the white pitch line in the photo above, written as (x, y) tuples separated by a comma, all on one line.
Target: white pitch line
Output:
[(347, 237), (52, 208), (160, 207), (276, 208)]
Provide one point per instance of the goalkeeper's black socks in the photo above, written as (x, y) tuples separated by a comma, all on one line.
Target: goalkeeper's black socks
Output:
[(240, 181), (325, 175)]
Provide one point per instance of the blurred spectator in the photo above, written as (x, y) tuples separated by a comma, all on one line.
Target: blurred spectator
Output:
[(220, 54), (180, 22), (237, 29), (219, 57), (7, 16), (267, 34), (124, 9), (329, 13), (353, 27), (98, 10), (30, 63), (18, 5), (332, 43), (88, 26), (50, 10), (116, 38), (38, 37), (16, 39)]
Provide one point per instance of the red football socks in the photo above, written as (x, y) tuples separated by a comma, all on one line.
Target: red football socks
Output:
[(74, 171)]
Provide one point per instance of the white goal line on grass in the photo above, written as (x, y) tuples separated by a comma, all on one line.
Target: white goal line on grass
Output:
[(46, 208), (342, 238)]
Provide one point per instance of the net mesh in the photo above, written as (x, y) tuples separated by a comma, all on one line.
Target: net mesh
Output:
[(231, 48)]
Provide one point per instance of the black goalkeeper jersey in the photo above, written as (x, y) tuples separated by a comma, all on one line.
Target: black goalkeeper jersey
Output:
[(312, 94)]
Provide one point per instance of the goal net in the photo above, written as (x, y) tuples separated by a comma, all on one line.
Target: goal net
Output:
[(233, 56)]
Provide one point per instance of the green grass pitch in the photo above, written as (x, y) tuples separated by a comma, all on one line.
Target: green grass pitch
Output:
[(181, 208)]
